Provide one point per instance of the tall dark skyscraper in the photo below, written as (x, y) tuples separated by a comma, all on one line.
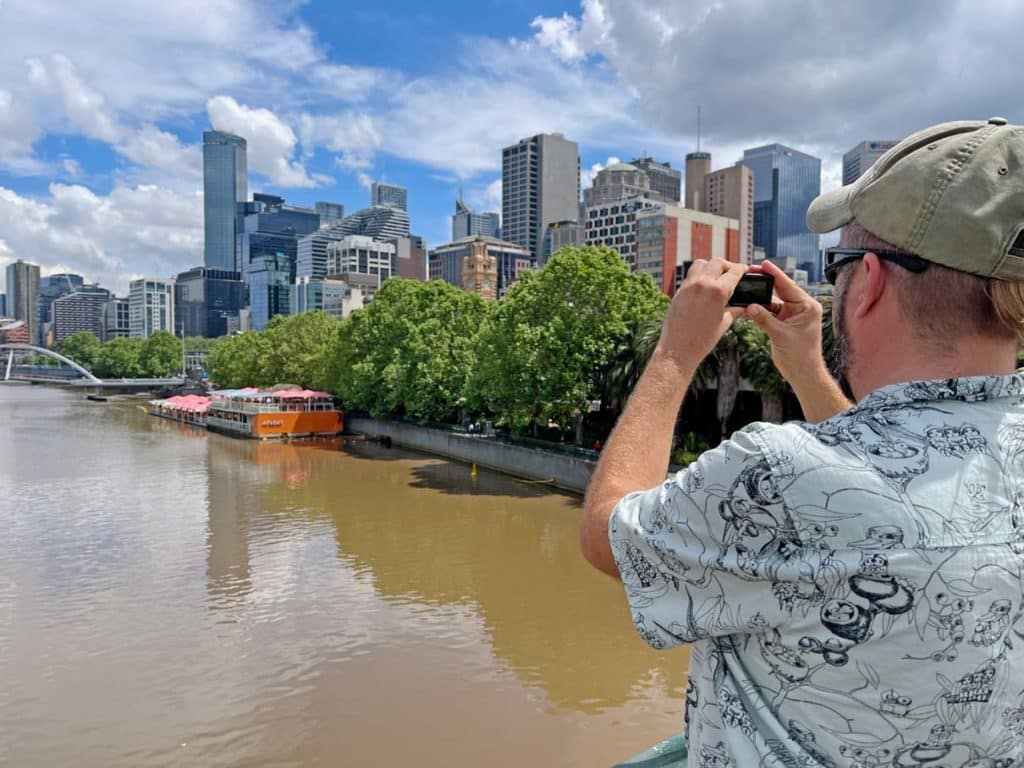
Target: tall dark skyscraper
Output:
[(225, 185), (785, 183)]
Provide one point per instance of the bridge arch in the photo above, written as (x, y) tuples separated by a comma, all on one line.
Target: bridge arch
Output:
[(12, 348)]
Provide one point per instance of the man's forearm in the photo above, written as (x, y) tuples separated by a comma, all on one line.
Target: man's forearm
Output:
[(820, 396), (638, 451)]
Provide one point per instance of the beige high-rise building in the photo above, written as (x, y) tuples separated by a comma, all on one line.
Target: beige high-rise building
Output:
[(729, 192), (698, 165)]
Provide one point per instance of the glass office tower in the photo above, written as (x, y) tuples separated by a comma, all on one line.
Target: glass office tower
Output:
[(225, 186), (785, 183), (206, 299)]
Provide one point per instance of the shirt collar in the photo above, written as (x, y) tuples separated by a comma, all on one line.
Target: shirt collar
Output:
[(970, 389)]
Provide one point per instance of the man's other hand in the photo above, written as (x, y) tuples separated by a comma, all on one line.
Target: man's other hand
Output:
[(698, 316), (795, 331)]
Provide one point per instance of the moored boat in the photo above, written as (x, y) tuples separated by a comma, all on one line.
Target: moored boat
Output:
[(269, 414), (185, 409)]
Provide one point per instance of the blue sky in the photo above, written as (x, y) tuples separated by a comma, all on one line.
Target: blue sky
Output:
[(102, 104)]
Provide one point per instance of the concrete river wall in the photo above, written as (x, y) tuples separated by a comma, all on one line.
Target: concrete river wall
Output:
[(569, 473)]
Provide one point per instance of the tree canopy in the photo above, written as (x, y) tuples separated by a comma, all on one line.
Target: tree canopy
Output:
[(83, 347), (121, 358), (410, 351), (546, 350)]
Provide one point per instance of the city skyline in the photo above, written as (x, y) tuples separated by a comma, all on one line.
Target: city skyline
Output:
[(100, 149)]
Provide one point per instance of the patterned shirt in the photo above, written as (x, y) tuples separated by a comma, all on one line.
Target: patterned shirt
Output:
[(852, 589)]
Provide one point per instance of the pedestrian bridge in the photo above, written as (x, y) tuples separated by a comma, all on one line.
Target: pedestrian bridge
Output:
[(67, 372)]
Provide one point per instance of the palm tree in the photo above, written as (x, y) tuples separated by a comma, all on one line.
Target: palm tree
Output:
[(632, 355), (729, 356), (630, 359), (762, 373)]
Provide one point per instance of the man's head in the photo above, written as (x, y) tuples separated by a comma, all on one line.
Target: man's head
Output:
[(931, 257)]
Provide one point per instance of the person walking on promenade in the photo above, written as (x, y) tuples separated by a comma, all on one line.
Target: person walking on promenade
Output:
[(852, 584)]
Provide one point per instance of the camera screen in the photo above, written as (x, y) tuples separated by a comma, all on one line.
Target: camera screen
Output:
[(753, 289)]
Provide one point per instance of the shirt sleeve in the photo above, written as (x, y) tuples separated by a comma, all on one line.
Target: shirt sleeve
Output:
[(714, 550)]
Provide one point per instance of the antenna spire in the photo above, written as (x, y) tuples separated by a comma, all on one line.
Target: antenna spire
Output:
[(698, 127)]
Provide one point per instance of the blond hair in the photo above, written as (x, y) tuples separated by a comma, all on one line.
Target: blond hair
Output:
[(942, 302)]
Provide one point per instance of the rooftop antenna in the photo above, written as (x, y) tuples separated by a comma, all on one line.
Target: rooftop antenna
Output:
[(698, 127)]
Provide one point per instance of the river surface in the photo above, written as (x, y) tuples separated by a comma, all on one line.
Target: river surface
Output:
[(171, 597)]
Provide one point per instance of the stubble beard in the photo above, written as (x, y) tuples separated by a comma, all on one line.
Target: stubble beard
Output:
[(842, 354)]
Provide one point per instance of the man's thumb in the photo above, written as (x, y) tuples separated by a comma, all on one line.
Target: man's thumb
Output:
[(763, 318)]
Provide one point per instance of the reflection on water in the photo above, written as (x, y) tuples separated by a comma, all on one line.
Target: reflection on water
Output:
[(168, 596)]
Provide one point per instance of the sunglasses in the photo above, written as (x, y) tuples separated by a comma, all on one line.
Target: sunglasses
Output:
[(837, 257)]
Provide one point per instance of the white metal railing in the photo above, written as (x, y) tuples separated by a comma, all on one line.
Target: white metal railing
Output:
[(278, 407), (229, 424)]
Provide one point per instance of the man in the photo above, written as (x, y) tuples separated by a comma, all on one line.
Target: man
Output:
[(852, 585)]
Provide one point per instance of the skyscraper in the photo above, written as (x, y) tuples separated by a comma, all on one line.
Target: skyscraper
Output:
[(378, 221), (116, 319), (540, 184), (467, 222), (82, 310), (225, 188), (665, 180), (617, 182), (205, 300), (329, 213), (729, 192), (22, 292), (150, 307), (785, 183), (698, 165), (862, 157), (51, 288), (390, 195)]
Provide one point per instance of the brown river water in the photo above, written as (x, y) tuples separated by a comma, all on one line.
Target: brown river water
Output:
[(172, 597)]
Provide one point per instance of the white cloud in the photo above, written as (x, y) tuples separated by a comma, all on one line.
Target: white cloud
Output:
[(85, 108), (71, 167), (353, 136), (587, 174), (153, 148), (271, 141), (140, 229), (572, 39), (18, 132), (560, 36)]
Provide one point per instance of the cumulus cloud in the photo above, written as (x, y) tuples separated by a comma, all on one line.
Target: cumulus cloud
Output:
[(587, 174), (820, 75), (352, 136), (106, 238), (271, 141)]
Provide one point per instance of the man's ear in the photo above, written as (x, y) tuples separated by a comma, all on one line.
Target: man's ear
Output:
[(872, 285)]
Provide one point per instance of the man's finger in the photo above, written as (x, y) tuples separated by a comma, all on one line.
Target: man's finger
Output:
[(765, 319), (732, 274), (785, 287)]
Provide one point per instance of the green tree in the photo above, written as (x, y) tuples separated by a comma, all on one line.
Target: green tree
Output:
[(297, 349), (237, 361), (546, 351), (409, 352), (161, 355), (83, 347), (120, 358)]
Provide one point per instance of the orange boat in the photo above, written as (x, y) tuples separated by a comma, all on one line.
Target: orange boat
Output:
[(273, 414)]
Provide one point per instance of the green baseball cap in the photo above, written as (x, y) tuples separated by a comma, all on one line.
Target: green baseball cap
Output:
[(952, 194)]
